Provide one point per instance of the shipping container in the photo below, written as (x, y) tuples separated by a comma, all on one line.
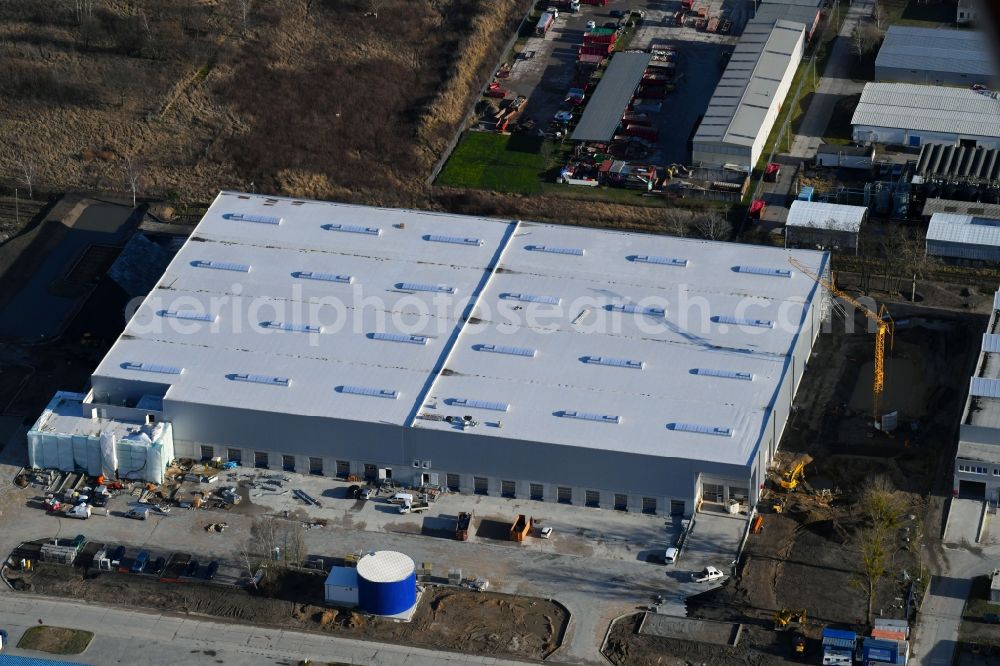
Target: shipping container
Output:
[(544, 23)]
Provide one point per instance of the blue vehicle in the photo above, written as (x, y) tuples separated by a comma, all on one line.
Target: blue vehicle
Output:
[(140, 561)]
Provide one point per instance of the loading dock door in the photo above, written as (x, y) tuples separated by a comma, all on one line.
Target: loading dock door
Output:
[(974, 490), (711, 492)]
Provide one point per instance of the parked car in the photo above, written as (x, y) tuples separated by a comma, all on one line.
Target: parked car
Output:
[(157, 566), (368, 493), (137, 513), (161, 508), (354, 492), (192, 569), (141, 560), (3, 639), (707, 575), (117, 555), (670, 556), (991, 618), (211, 570), (564, 116), (546, 533), (591, 25)]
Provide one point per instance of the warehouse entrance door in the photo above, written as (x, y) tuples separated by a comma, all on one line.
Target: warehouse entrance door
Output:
[(973, 490), (712, 492)]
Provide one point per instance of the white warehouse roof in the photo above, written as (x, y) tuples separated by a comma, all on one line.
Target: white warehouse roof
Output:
[(928, 108), (832, 217), (966, 229), (936, 50), (601, 339), (740, 103)]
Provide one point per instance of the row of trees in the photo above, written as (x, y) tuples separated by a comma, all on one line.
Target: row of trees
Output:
[(131, 170)]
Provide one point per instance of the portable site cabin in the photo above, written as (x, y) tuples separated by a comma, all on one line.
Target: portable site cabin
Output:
[(838, 647), (845, 157)]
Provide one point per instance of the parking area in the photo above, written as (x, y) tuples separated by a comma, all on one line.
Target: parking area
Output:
[(545, 67)]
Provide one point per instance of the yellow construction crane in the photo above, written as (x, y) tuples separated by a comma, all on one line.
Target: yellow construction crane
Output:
[(885, 327)]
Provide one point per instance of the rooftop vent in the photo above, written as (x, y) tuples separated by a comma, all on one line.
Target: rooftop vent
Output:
[(260, 379), (259, 219), (415, 286), (531, 298), (478, 404), (737, 321), (152, 367), (590, 416), (728, 374), (287, 326), (193, 316), (991, 343), (764, 270), (556, 250), (457, 240), (326, 277), (701, 429), (501, 349), (614, 362), (353, 229), (663, 261), (221, 265), (399, 337), (984, 387), (368, 391), (631, 308)]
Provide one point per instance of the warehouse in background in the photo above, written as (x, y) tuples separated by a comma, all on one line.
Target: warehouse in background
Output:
[(904, 114), (503, 358), (934, 56), (745, 104), (824, 225), (964, 239)]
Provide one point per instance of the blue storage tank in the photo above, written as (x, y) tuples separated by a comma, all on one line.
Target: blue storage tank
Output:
[(387, 583)]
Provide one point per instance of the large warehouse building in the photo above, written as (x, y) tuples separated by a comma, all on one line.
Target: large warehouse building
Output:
[(506, 358), (826, 225), (977, 460), (905, 114), (749, 96), (934, 56), (967, 239)]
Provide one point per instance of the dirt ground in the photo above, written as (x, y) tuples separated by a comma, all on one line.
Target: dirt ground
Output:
[(807, 557), (446, 618)]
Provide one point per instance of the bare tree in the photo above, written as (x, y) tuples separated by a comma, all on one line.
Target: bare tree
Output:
[(882, 508), (711, 226), (246, 554), (245, 7), (373, 7), (82, 9), (132, 166), (28, 168), (676, 222), (863, 39), (879, 15)]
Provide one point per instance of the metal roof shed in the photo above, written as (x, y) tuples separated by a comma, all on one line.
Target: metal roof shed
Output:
[(964, 237), (904, 114), (934, 56), (614, 92), (812, 223)]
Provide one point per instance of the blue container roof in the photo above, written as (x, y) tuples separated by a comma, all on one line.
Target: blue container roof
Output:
[(839, 638)]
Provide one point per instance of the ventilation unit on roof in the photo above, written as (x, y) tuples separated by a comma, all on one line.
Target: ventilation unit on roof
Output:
[(260, 379), (701, 429), (326, 277), (663, 261), (368, 391), (590, 416), (478, 404), (764, 270), (728, 374), (399, 337), (531, 298), (985, 387), (287, 326), (259, 219), (502, 349), (737, 321), (193, 316), (615, 362), (152, 367), (578, 252), (457, 240), (631, 308), (415, 286), (222, 265), (991, 343), (353, 229)]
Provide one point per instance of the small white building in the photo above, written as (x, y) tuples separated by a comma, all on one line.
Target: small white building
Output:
[(341, 587), (966, 11), (965, 238), (845, 157), (826, 225), (905, 114)]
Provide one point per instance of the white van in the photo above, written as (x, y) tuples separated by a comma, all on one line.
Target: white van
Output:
[(401, 498), (670, 556)]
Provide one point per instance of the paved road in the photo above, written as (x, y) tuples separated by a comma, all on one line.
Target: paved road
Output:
[(167, 640)]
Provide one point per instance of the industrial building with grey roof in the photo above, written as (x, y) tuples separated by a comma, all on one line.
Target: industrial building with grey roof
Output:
[(611, 98), (538, 361), (746, 102), (934, 56)]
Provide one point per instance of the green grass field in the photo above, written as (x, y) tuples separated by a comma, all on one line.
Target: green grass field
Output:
[(503, 163)]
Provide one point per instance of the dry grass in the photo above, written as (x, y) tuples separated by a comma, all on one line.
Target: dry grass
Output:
[(328, 104)]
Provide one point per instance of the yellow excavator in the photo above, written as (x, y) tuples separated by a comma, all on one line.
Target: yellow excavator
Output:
[(788, 618), (791, 474)]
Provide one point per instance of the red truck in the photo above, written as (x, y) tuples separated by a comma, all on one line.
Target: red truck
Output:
[(597, 49), (647, 133), (599, 3), (544, 23)]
